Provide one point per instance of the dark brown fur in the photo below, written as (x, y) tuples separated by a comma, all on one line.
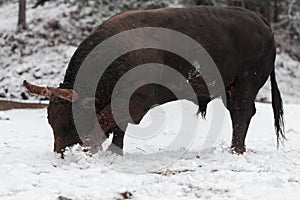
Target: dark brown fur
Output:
[(240, 42)]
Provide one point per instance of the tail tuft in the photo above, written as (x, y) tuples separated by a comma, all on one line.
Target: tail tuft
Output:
[(277, 109)]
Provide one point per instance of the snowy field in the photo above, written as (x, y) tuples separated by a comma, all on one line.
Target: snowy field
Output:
[(152, 167), (30, 170)]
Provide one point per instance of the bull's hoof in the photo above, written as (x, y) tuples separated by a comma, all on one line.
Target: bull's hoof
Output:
[(238, 150), (115, 149)]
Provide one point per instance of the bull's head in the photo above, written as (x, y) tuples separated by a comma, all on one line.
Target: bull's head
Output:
[(60, 115)]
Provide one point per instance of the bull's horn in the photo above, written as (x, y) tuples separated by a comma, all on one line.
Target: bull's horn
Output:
[(67, 94), (43, 91)]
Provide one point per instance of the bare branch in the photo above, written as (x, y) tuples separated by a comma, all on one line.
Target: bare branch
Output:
[(39, 3)]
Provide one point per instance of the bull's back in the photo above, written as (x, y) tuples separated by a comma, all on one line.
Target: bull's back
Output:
[(233, 37)]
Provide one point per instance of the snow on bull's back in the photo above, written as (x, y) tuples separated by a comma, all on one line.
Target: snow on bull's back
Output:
[(29, 169)]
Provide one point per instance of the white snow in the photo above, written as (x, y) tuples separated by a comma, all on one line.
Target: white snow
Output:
[(287, 75), (30, 170)]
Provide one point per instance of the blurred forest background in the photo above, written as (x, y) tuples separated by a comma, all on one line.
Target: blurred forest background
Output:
[(38, 37)]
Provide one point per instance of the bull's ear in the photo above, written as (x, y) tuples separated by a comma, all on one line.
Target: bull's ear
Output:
[(66, 94)]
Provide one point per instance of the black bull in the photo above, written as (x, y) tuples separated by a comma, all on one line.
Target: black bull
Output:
[(240, 42)]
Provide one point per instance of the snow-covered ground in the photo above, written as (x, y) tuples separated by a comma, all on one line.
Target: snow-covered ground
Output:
[(30, 170), (287, 75)]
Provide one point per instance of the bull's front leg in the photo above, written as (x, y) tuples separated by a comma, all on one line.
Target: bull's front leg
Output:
[(118, 141), (109, 125)]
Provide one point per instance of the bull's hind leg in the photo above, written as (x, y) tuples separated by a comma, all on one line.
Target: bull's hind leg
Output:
[(240, 103)]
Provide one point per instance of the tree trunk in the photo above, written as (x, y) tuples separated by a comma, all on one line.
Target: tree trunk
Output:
[(22, 15), (276, 11)]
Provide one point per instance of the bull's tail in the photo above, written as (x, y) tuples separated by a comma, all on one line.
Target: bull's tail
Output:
[(277, 109)]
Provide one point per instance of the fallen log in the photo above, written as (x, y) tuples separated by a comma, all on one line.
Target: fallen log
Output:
[(13, 104)]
